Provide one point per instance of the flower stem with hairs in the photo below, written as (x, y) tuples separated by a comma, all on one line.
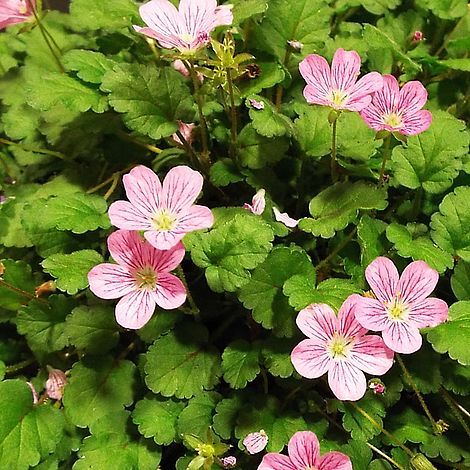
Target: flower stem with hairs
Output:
[(385, 157)]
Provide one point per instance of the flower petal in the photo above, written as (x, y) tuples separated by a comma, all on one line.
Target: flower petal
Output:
[(126, 216), (318, 322), (304, 449), (162, 17), (348, 324), (373, 117), (143, 189), (416, 123), (181, 187), (110, 281), (163, 240), (310, 360), (273, 461), (198, 16), (223, 15), (417, 281), (167, 260), (370, 355), (316, 72), (413, 96), (344, 69), (197, 218), (370, 313), (346, 381), (170, 292), (335, 461), (129, 249), (134, 310), (402, 337), (386, 99), (361, 94), (284, 218), (382, 276), (428, 312), (314, 95)]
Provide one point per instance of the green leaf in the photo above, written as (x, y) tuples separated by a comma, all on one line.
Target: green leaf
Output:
[(16, 274), (426, 379), (230, 250), (450, 225), (263, 293), (337, 206), (456, 377), (460, 281), (445, 9), (71, 270), (370, 236), (359, 453), (28, 433), (92, 329), (240, 363), (89, 65), (98, 386), (257, 151), (43, 323), (196, 418), (225, 417), (225, 172), (2, 370), (276, 355), (408, 425), (156, 417), (180, 364), (432, 160), (453, 336), (313, 130), (152, 99), (271, 73), (267, 121), (244, 9), (456, 64), (161, 322), (409, 244), (451, 446)]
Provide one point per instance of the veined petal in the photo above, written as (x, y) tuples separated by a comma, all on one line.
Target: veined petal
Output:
[(370, 354), (428, 312), (373, 117), (167, 260), (315, 95), (413, 96), (304, 449), (382, 276), (346, 381), (370, 313), (134, 310), (386, 99), (126, 216), (223, 15), (162, 17), (417, 282), (198, 15), (318, 322), (181, 187), (129, 249), (402, 337), (348, 325), (170, 292), (273, 461), (168, 41), (163, 240), (335, 461), (416, 123), (143, 189), (110, 281), (284, 218), (365, 86), (316, 71), (197, 218), (344, 69), (310, 360)]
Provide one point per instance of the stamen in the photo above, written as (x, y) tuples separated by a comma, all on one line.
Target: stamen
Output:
[(337, 97), (146, 278), (339, 347), (393, 120), (164, 220)]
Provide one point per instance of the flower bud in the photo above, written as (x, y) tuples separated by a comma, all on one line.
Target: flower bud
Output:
[(35, 394), (295, 45), (255, 442), (55, 384), (420, 462), (228, 462), (418, 36), (377, 386)]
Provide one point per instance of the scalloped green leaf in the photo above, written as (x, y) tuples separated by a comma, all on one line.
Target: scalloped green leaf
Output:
[(312, 129), (240, 363), (460, 281), (89, 65), (196, 418), (268, 122), (17, 274)]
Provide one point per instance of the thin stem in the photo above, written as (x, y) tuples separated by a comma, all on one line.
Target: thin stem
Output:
[(189, 149), (385, 456), (194, 308), (233, 117), (409, 379), (155, 51), (455, 410), (129, 138), (385, 157), (111, 179), (337, 249), (279, 89), (462, 409), (111, 189), (333, 166), (417, 204), (17, 367), (22, 292), (33, 149)]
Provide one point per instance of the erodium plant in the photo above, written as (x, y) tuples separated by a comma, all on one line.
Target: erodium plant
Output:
[(233, 234)]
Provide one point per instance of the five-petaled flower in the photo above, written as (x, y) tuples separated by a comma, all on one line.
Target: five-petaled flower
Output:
[(186, 29), (165, 212), (401, 306), (396, 110), (141, 277), (15, 11), (339, 345), (304, 454), (338, 87)]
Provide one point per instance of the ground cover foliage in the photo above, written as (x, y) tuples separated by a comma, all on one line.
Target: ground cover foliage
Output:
[(199, 378)]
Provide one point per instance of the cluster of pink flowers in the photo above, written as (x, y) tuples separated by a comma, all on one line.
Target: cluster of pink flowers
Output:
[(142, 277), (379, 100), (15, 11), (340, 346)]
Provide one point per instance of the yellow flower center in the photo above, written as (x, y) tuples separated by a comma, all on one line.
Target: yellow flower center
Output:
[(396, 309), (338, 97), (186, 37), (23, 8), (164, 221), (339, 347), (392, 120), (146, 278)]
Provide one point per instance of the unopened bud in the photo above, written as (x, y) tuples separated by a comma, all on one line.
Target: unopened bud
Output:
[(418, 36), (420, 462), (228, 462), (377, 386), (295, 45), (255, 442), (55, 384), (45, 288)]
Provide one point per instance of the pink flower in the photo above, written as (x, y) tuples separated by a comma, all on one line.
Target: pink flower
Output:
[(34, 393), (186, 130), (339, 346), (55, 384), (401, 306), (258, 203), (186, 29), (396, 110), (179, 66), (284, 218), (255, 442), (258, 105), (418, 36), (164, 212), (141, 277), (377, 386), (15, 11), (337, 87), (228, 462), (304, 454)]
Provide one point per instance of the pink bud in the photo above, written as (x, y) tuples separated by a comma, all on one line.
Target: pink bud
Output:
[(35, 394), (256, 104), (284, 218), (258, 203), (255, 442), (377, 387), (179, 66), (55, 384), (418, 36), (229, 461), (186, 130)]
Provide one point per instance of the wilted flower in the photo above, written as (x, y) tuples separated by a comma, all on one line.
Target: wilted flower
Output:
[(304, 454), (338, 87), (33, 391), (228, 462), (255, 441), (186, 130), (401, 307), (256, 104), (142, 278), (396, 110), (284, 218), (339, 345), (258, 203), (15, 11), (55, 384), (165, 212), (186, 29)]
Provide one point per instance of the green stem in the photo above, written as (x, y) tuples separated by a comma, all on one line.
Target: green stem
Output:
[(189, 149), (279, 89), (114, 183), (333, 166), (33, 149), (385, 157), (337, 249), (455, 410), (417, 204), (194, 308), (385, 456), (21, 365), (233, 119), (22, 292), (129, 138), (410, 381), (111, 179)]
